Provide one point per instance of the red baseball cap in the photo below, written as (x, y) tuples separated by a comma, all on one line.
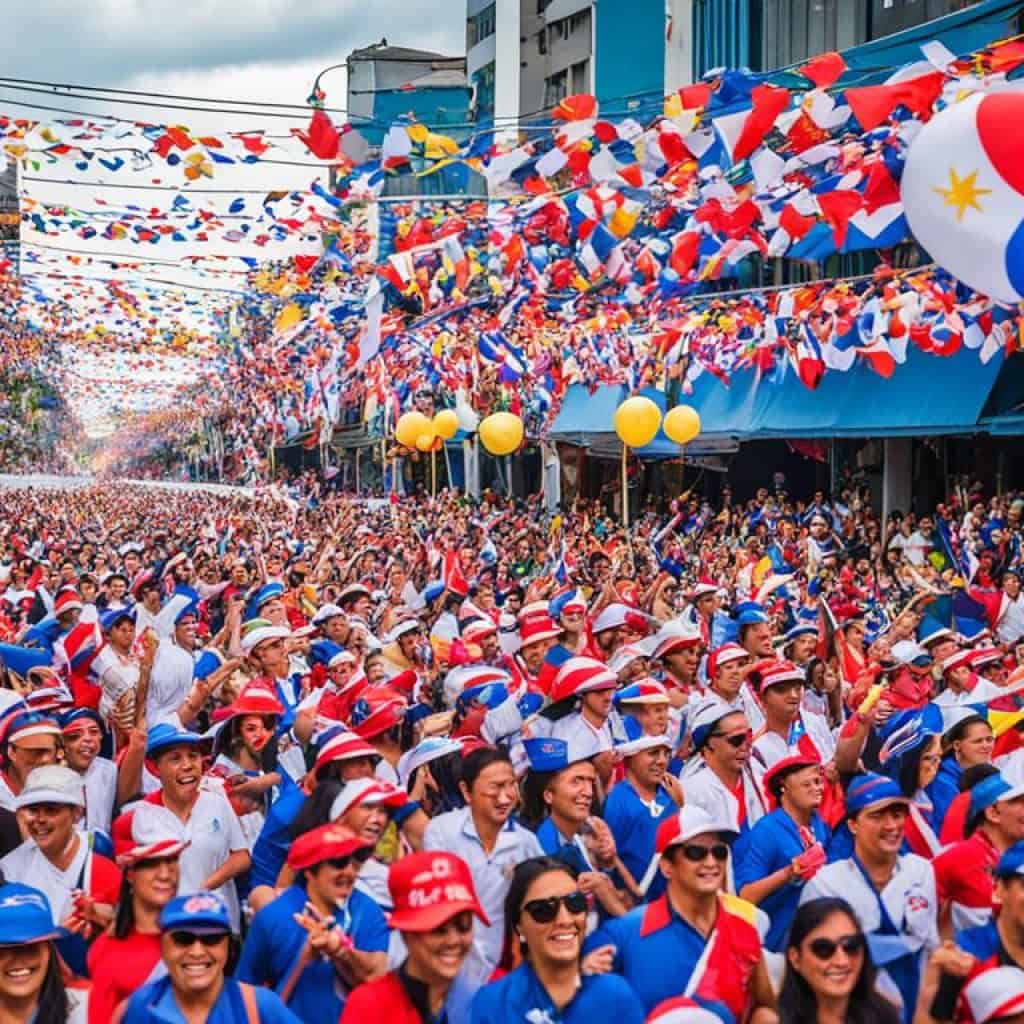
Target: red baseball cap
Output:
[(429, 888), (324, 843)]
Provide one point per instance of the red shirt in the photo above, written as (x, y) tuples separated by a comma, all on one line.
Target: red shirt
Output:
[(381, 999), (963, 877), (118, 967)]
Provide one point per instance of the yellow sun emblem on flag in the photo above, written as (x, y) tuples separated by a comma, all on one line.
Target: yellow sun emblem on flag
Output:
[(963, 192)]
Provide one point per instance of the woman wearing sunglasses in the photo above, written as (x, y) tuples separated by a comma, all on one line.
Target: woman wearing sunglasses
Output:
[(195, 942), (545, 925), (830, 978), (434, 903), (321, 937)]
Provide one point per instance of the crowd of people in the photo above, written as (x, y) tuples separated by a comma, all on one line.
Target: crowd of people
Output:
[(299, 757)]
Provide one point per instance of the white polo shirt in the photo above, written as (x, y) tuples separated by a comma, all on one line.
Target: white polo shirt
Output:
[(455, 832), (910, 900), (214, 833), (703, 788), (581, 735)]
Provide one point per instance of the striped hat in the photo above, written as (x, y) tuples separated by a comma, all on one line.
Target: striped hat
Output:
[(582, 675)]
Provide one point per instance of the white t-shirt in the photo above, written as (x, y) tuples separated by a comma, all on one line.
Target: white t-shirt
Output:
[(100, 794), (169, 682), (214, 833), (29, 865)]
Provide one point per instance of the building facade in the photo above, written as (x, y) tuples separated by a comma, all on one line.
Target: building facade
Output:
[(524, 56), (387, 82)]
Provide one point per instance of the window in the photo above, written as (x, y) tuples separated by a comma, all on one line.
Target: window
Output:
[(556, 88), (542, 41), (581, 77), (797, 29), (481, 26)]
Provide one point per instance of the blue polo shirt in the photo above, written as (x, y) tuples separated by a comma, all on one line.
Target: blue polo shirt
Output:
[(520, 996), (769, 846), (944, 790), (155, 1004), (634, 824), (271, 847), (554, 844), (656, 951), (275, 942)]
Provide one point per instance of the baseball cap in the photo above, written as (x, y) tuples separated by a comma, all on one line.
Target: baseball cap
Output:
[(52, 784), (372, 792), (690, 1010), (643, 691), (1011, 862), (429, 888), (691, 821), (723, 655), (995, 993), (25, 916), (546, 754), (581, 675), (872, 790), (992, 790), (324, 843), (778, 672), (164, 735), (150, 837), (342, 746), (325, 612), (31, 729), (204, 912), (706, 714)]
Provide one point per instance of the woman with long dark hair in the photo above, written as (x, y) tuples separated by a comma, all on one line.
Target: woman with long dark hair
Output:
[(125, 957), (830, 978), (545, 925), (31, 988)]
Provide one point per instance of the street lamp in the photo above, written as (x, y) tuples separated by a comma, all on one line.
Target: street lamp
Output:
[(317, 95)]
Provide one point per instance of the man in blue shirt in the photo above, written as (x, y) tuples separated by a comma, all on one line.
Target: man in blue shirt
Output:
[(639, 803), (340, 940), (786, 847), (694, 940)]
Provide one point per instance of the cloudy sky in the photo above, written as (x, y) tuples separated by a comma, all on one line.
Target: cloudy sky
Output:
[(255, 51)]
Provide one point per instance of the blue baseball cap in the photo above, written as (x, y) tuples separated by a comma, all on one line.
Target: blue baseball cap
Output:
[(200, 912), (25, 916), (872, 790), (748, 613), (109, 619), (165, 735), (1012, 862), (550, 755), (991, 791)]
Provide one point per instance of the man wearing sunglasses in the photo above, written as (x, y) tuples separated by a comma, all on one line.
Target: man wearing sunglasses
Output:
[(321, 936), (892, 894), (718, 776), (195, 938), (707, 936)]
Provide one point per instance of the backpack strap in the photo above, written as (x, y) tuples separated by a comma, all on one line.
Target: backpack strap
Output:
[(252, 1011)]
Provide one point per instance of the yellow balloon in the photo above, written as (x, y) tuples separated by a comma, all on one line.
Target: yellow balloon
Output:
[(637, 421), (501, 433), (410, 426), (446, 424), (682, 424), (425, 442)]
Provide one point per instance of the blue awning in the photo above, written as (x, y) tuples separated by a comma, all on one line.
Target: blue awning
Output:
[(926, 396), (1010, 424)]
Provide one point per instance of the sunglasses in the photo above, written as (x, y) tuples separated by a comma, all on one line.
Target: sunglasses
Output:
[(545, 911), (736, 739), (340, 863), (696, 852), (825, 949), (208, 939)]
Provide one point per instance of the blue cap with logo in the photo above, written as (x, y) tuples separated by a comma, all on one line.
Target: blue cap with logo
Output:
[(991, 791), (199, 912), (872, 790), (25, 916)]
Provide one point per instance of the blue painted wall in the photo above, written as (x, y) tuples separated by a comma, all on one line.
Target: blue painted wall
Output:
[(438, 107), (629, 40)]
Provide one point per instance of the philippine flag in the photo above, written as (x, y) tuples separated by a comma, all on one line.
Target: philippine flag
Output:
[(963, 192)]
